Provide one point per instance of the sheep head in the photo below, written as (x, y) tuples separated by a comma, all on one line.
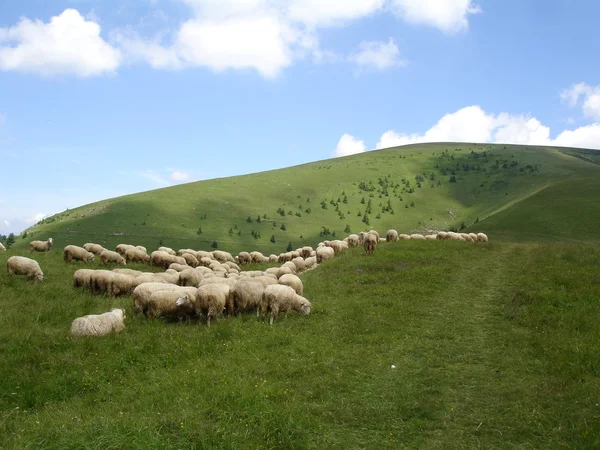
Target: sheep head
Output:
[(182, 301)]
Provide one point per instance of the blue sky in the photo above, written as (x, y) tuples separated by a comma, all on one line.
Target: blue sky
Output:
[(109, 97)]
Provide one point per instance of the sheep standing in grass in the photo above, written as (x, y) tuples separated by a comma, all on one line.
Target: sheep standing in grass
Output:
[(370, 241), (136, 255), (324, 254), (190, 277), (40, 246), (212, 299), (403, 237), (142, 293), (109, 256), (353, 240), (73, 252), (19, 265), (281, 298), (83, 278), (292, 281), (96, 249), (190, 259), (99, 324), (481, 237), (391, 235), (176, 304), (248, 295), (130, 272), (122, 248), (168, 250), (442, 235)]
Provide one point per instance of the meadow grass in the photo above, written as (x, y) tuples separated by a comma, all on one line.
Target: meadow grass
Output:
[(494, 346)]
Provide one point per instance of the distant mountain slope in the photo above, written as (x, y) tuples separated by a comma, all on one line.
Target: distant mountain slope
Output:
[(510, 189)]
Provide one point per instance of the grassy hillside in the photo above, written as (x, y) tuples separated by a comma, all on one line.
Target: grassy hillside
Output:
[(410, 188), (487, 354)]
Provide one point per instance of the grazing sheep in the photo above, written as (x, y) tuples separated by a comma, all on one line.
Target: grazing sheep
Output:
[(19, 265), (82, 278), (190, 259), (473, 236), (190, 277), (370, 243), (168, 250), (382, 240), (142, 248), (353, 240), (222, 256), (391, 235), (324, 254), (337, 246), (130, 272), (203, 254), (291, 266), (232, 265), (142, 293), (248, 295), (417, 236), (2, 247), (165, 259), (40, 246), (73, 252), (292, 281), (257, 257), (122, 248), (310, 262), (281, 298), (481, 237), (212, 299), (99, 324), (113, 257), (305, 251), (111, 283), (375, 233), (403, 237), (431, 237), (273, 258), (300, 264), (136, 255), (96, 249), (442, 235), (177, 304)]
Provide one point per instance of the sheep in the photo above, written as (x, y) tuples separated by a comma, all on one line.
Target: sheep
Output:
[(212, 299), (206, 261), (375, 233), (324, 254), (142, 293), (122, 248), (403, 237), (310, 262), (40, 246), (292, 281), (370, 243), (300, 264), (473, 236), (190, 259), (172, 278), (19, 265), (73, 252), (165, 259), (136, 255), (190, 277), (111, 283), (130, 272), (284, 257), (382, 240), (178, 303), (82, 278), (481, 237), (2, 247), (353, 240), (337, 246), (281, 298), (291, 266), (99, 324), (273, 258), (96, 249), (257, 257), (442, 235), (431, 237), (179, 267), (203, 254), (248, 295), (222, 256), (391, 235), (265, 280), (142, 248), (232, 265), (114, 257), (168, 250), (417, 236)]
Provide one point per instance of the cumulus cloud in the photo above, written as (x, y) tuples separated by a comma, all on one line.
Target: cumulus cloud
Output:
[(180, 176), (67, 44), (449, 16), (35, 218), (349, 145), (590, 96), (473, 124), (377, 55)]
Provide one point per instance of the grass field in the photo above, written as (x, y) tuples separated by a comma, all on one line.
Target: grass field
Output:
[(493, 345)]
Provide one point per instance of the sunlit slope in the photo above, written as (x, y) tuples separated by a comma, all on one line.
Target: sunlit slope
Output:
[(410, 188)]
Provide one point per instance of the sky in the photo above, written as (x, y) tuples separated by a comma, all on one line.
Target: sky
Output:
[(102, 98)]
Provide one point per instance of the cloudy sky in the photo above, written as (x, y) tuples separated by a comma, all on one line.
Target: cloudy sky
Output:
[(108, 97)]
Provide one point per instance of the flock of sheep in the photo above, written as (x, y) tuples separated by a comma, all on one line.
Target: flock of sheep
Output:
[(201, 283)]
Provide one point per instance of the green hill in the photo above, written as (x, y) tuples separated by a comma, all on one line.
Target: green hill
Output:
[(514, 191)]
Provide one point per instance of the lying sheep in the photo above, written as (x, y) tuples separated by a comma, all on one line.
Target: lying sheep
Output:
[(99, 324), (73, 252), (19, 265), (177, 304), (96, 249), (136, 255), (247, 296), (40, 246), (122, 248), (213, 299), (281, 298), (292, 281), (324, 254), (391, 236), (370, 241), (109, 256)]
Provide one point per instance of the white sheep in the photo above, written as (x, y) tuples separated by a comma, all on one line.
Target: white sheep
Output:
[(122, 248), (353, 240), (294, 282), (73, 252), (324, 254), (305, 251), (281, 298), (403, 237), (310, 262), (291, 266), (391, 235), (248, 295), (370, 241), (168, 250), (431, 237), (99, 324), (112, 284), (299, 263), (212, 299), (82, 278), (113, 257), (135, 254), (190, 277), (40, 246), (417, 236), (130, 272), (442, 235), (481, 237), (19, 265), (96, 249), (273, 258), (177, 303)]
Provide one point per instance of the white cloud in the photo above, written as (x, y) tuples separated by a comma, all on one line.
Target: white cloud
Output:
[(156, 178), (449, 16), (7, 223), (333, 12), (349, 145), (35, 218), (473, 124), (590, 95), (68, 44), (180, 176), (377, 55)]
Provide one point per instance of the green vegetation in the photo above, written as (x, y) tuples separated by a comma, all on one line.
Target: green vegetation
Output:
[(425, 344)]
